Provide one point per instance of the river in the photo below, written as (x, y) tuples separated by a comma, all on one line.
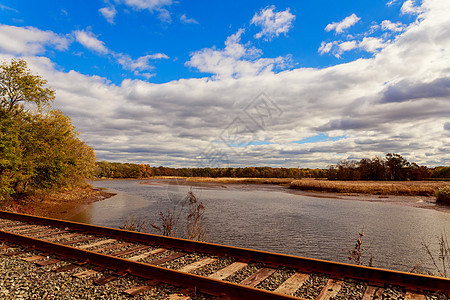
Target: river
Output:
[(274, 218)]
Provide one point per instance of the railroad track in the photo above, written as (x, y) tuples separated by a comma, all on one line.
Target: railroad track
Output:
[(212, 269)]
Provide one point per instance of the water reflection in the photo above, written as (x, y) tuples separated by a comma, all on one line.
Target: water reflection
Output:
[(273, 219)]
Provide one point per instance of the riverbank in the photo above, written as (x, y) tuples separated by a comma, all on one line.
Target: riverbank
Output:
[(397, 188), (58, 205), (393, 188)]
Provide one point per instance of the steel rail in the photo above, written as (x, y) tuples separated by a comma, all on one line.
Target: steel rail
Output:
[(335, 269), (203, 284)]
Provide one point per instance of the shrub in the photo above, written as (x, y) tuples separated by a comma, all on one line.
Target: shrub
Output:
[(443, 195)]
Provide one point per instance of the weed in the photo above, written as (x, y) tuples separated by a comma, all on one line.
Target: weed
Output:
[(357, 253), (194, 228), (442, 262), (169, 222), (134, 224), (195, 222)]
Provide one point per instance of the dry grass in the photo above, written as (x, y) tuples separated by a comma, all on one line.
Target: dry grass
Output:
[(168, 222), (195, 222), (407, 188), (241, 180), (134, 224), (442, 261), (195, 227)]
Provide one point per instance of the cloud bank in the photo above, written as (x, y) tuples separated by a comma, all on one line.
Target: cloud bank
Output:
[(397, 100)]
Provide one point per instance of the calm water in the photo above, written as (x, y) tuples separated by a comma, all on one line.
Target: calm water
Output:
[(274, 219)]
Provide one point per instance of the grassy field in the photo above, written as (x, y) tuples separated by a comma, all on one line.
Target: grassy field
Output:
[(407, 188)]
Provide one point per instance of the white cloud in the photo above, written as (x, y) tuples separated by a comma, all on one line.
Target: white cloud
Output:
[(235, 60), (367, 44), (164, 15), (154, 6), (326, 47), (391, 2), (184, 19), (147, 4), (409, 8), (339, 27), (90, 41), (347, 46), (396, 27), (109, 13), (371, 44), (30, 40), (272, 23), (4, 7), (139, 65)]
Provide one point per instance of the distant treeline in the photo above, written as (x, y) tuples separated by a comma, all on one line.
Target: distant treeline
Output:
[(129, 170), (392, 167)]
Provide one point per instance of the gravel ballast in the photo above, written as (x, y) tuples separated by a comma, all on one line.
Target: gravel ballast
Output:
[(272, 282), (311, 288), (351, 290), (209, 269), (24, 280)]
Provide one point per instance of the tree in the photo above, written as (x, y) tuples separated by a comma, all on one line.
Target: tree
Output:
[(372, 169), (397, 166), (19, 86), (58, 157), (39, 149)]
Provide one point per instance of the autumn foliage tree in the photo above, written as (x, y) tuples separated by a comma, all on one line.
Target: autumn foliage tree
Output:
[(39, 147), (392, 167)]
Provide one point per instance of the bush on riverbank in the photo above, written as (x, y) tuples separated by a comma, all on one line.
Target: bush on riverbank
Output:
[(443, 195)]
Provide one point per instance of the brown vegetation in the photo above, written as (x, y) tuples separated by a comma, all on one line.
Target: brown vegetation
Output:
[(357, 253), (241, 180), (391, 167), (442, 261), (195, 221), (443, 195), (134, 224), (167, 224), (407, 188)]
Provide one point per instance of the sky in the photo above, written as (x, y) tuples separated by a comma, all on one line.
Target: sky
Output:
[(243, 83)]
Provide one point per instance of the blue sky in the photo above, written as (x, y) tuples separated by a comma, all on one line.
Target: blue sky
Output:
[(187, 27), (159, 81)]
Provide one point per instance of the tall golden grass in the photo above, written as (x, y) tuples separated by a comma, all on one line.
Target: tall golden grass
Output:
[(407, 188)]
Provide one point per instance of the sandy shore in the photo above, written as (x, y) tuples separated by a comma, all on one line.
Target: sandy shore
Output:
[(60, 205)]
